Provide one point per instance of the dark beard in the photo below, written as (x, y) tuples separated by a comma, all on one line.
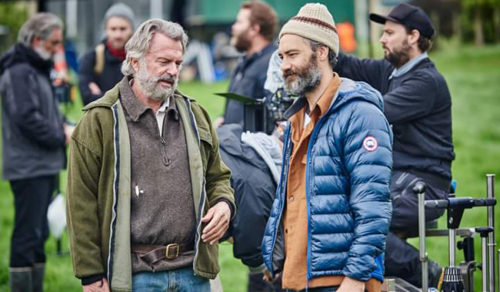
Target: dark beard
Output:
[(399, 57), (307, 78), (243, 42)]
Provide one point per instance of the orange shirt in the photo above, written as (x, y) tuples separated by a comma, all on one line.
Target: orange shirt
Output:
[(295, 215)]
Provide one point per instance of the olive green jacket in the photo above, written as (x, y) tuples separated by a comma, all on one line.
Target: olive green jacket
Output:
[(99, 189)]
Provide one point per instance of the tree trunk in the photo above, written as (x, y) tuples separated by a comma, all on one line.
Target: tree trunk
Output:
[(457, 26), (478, 27), (496, 21)]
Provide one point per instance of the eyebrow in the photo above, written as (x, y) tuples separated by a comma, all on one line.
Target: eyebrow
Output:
[(290, 51)]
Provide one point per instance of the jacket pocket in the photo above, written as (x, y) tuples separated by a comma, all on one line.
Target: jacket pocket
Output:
[(206, 145)]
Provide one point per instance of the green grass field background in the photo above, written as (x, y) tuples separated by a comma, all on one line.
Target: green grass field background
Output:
[(473, 76)]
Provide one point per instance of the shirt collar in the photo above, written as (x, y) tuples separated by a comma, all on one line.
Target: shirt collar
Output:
[(323, 103), (408, 66), (133, 106)]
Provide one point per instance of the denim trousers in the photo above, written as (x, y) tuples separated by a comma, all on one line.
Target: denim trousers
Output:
[(180, 280)]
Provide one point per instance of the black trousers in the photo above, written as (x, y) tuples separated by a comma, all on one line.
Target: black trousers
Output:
[(31, 199), (257, 284), (402, 259)]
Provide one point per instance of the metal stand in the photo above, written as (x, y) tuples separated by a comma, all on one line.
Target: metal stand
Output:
[(455, 210), (484, 232), (490, 186), (419, 189)]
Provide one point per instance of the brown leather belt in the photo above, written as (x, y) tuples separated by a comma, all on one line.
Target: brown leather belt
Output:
[(153, 253)]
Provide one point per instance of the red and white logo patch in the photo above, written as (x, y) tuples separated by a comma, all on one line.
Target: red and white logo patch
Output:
[(370, 143)]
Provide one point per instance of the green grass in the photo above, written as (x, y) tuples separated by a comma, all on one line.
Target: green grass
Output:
[(473, 76)]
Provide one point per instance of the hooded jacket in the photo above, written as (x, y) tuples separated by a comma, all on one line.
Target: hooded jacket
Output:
[(347, 189), (32, 125), (99, 189)]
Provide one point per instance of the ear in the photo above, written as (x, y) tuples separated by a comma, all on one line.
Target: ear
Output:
[(135, 64), (413, 37), (323, 53), (255, 29), (36, 41)]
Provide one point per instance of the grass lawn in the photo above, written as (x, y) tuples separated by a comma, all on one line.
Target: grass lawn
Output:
[(473, 76)]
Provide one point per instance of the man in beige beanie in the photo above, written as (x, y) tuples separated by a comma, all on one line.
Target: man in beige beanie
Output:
[(332, 210), (417, 103)]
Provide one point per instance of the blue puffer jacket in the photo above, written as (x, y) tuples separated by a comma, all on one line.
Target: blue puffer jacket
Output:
[(348, 173)]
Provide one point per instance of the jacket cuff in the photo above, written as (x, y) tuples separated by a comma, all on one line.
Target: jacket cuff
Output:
[(228, 203), (257, 270), (92, 279)]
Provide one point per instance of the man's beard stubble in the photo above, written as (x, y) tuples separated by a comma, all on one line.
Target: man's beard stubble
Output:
[(399, 57), (306, 79), (150, 85), (242, 42)]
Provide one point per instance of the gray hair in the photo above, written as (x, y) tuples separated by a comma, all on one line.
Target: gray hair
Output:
[(139, 43), (41, 25)]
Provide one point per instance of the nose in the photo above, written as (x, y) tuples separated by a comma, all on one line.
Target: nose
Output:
[(173, 69), (383, 39), (285, 64)]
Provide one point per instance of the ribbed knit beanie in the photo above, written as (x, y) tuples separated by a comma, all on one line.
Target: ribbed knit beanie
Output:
[(120, 10), (314, 22)]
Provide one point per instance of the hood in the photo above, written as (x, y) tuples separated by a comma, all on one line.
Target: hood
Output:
[(18, 54), (230, 138), (350, 90)]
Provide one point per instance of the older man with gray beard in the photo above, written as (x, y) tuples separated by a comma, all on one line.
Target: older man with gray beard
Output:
[(34, 136), (148, 194)]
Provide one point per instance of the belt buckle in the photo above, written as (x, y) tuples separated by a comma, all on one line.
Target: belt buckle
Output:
[(175, 251)]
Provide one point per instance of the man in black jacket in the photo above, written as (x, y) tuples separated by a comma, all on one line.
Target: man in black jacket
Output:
[(253, 32), (417, 103), (100, 68), (34, 137)]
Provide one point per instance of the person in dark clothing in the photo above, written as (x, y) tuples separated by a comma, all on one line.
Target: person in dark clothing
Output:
[(34, 137), (253, 32), (255, 163), (100, 68), (417, 103)]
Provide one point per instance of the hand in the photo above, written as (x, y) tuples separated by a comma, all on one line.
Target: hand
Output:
[(351, 285), (268, 277), (218, 216), (68, 131), (99, 286), (218, 122), (94, 88)]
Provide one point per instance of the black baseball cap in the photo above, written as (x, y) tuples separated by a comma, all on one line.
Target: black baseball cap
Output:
[(408, 15)]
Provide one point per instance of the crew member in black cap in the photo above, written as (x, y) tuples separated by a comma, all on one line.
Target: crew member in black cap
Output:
[(417, 103)]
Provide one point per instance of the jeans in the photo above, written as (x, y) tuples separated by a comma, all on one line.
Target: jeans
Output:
[(180, 280), (320, 289), (31, 199)]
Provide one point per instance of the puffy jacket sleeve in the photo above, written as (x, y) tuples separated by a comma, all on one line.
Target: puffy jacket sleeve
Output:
[(367, 147), (84, 229), (24, 104)]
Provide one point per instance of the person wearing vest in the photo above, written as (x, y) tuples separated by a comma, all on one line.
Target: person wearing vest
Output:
[(148, 194), (100, 68), (417, 104), (332, 210)]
